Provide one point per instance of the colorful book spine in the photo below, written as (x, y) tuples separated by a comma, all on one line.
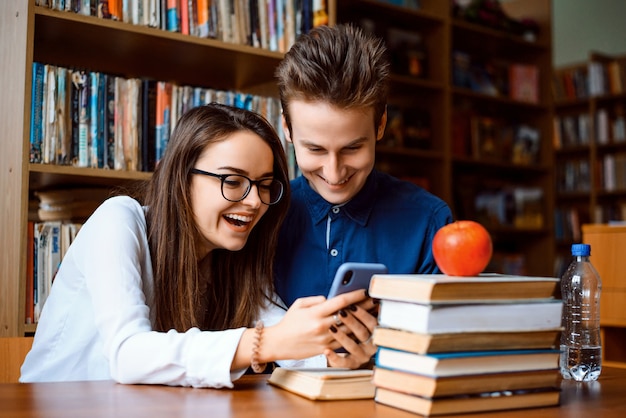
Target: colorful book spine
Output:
[(172, 16), (184, 17), (164, 97), (93, 150), (101, 120), (81, 82), (36, 118), (271, 25), (280, 25)]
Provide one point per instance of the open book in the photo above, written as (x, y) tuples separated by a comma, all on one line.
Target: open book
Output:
[(325, 384)]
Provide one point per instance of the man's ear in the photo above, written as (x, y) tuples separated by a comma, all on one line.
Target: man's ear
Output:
[(285, 128), (381, 126)]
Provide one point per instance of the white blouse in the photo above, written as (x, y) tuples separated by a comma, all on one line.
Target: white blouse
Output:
[(96, 322)]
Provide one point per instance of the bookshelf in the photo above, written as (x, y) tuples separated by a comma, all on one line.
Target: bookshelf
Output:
[(424, 97), (590, 147), (471, 154), (31, 33)]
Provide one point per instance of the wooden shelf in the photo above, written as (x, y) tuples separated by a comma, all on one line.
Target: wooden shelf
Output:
[(594, 204)]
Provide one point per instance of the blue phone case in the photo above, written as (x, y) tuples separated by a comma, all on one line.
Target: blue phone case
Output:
[(353, 276)]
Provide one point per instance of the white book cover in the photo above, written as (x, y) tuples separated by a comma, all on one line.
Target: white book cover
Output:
[(492, 317)]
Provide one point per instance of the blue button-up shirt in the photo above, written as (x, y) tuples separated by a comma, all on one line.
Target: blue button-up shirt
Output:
[(389, 221)]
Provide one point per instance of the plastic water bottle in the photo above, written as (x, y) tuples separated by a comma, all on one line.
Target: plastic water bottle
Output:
[(581, 348)]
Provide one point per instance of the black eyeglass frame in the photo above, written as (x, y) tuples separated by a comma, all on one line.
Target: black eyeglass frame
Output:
[(251, 183)]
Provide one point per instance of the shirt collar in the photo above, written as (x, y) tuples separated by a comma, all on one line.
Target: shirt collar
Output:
[(358, 209)]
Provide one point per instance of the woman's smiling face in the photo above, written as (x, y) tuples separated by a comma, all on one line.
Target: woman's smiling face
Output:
[(226, 224)]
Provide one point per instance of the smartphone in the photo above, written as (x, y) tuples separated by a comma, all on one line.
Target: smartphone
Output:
[(353, 276)]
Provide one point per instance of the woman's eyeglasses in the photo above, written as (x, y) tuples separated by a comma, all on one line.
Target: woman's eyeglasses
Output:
[(235, 187)]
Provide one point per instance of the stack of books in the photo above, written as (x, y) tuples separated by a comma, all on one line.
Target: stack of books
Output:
[(466, 344)]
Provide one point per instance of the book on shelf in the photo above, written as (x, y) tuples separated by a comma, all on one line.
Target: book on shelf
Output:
[(47, 257), (432, 387), (526, 145), (524, 82), (541, 314), (29, 307), (463, 341), (36, 119), (467, 362), (324, 384), (485, 135), (430, 288), (50, 115), (466, 404)]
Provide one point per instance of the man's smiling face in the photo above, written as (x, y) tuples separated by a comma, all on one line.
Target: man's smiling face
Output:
[(335, 148)]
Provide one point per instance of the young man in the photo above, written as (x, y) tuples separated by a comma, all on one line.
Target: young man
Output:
[(333, 88)]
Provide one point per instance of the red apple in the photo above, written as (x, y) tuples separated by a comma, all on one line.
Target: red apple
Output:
[(462, 248)]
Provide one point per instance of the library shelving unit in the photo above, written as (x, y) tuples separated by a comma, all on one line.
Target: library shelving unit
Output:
[(425, 102), (590, 147), (508, 188), (31, 33)]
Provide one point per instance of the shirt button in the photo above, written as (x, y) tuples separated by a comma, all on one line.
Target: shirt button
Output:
[(334, 252), (336, 210)]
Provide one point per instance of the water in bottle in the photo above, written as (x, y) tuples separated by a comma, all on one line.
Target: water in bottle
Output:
[(581, 349)]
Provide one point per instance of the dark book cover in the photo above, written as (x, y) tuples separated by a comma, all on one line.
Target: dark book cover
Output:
[(74, 114), (109, 126), (148, 125), (101, 103)]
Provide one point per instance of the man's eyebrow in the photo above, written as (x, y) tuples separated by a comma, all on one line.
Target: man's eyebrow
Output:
[(357, 141)]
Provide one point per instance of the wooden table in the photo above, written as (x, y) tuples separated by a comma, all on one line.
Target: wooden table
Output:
[(253, 397)]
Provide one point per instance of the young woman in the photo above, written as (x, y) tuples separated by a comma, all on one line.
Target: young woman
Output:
[(168, 291)]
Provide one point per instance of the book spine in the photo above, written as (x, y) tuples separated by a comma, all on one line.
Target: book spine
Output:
[(320, 15), (154, 18), (184, 17), (30, 274), (280, 25), (109, 112), (120, 93), (164, 98), (172, 16), (131, 135), (83, 119), (271, 25), (307, 16), (49, 138), (101, 120), (148, 125), (74, 116), (36, 112), (64, 133), (94, 78), (263, 28)]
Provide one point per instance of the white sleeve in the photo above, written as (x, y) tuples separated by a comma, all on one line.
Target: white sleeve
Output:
[(119, 278)]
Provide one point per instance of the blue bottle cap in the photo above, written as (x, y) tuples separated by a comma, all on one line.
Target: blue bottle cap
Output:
[(582, 250)]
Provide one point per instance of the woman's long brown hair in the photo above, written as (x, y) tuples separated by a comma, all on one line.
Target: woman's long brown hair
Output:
[(235, 284)]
